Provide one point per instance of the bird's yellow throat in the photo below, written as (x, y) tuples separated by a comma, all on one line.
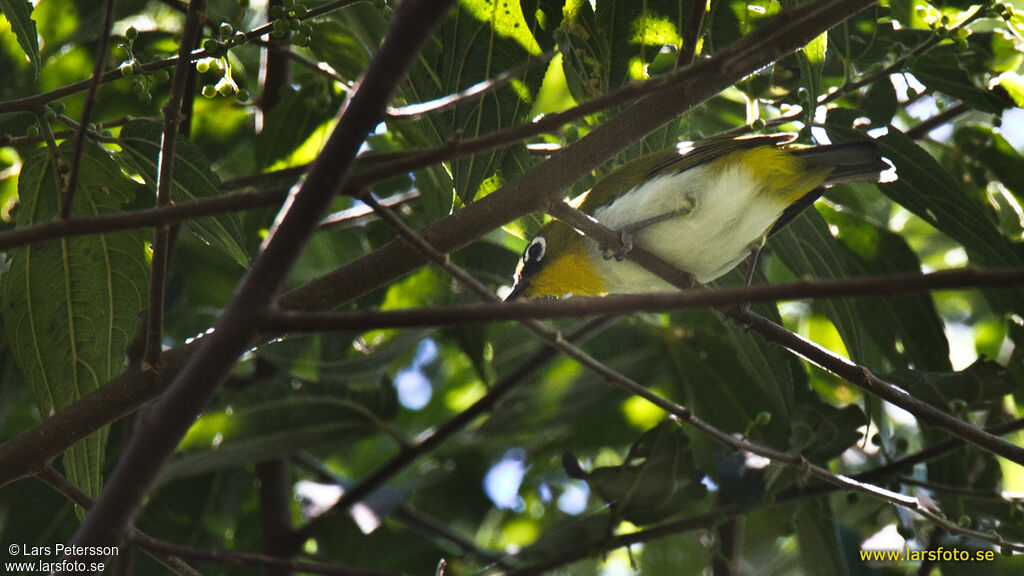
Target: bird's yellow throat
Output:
[(571, 272)]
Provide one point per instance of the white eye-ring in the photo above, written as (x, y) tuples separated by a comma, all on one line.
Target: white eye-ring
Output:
[(535, 251)]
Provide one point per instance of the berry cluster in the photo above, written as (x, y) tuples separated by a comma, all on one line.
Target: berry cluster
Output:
[(131, 67), (227, 37), (287, 19), (217, 49)]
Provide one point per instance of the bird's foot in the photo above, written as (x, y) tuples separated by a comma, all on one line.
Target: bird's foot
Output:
[(625, 247)]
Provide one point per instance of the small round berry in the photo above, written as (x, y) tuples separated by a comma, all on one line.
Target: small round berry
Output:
[(145, 97), (131, 33), (225, 30), (32, 131), (202, 66), (209, 91), (243, 95), (126, 69)]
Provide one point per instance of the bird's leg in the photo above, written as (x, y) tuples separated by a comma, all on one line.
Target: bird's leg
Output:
[(625, 246), (755, 254), (685, 208)]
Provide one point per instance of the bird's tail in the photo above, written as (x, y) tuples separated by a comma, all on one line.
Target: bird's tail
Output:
[(859, 161)]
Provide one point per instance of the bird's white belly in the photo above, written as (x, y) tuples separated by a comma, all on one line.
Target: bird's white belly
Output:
[(715, 219)]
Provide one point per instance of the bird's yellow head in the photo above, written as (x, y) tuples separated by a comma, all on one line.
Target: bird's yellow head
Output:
[(556, 263)]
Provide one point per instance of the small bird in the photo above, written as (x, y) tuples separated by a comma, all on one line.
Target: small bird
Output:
[(703, 210)]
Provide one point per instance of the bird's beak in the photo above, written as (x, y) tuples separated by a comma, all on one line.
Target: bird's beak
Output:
[(518, 291)]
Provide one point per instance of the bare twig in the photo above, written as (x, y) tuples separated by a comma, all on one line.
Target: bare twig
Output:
[(282, 322), (691, 37), (532, 191), (141, 218), (90, 100), (165, 181), (147, 542), (158, 432), (413, 111), (59, 483), (684, 414), (922, 129)]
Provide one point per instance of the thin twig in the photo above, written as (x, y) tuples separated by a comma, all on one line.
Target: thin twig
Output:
[(62, 486), (691, 37), (684, 414), (159, 432), (857, 375), (90, 100), (165, 182), (153, 217), (407, 515), (922, 129), (414, 111), (619, 304), (147, 542), (530, 192)]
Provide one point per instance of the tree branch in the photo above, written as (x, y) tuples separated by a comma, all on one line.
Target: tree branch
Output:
[(164, 216), (165, 179), (614, 305), (90, 100), (61, 485), (160, 429), (534, 190), (530, 192)]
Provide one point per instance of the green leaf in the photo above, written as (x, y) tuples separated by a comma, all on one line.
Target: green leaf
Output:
[(658, 478), (925, 188), (338, 47), (812, 62), (980, 386), (861, 37), (288, 125), (478, 41), (271, 429), (822, 431), (193, 180), (906, 327), (704, 360), (808, 249), (73, 304), (818, 536), (940, 70), (880, 102), (986, 146), (19, 15), (604, 49)]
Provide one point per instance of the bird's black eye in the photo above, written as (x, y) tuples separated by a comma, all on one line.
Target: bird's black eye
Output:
[(535, 251)]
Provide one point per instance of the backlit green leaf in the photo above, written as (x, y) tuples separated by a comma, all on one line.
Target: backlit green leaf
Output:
[(72, 305), (193, 180), (808, 249), (19, 15)]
